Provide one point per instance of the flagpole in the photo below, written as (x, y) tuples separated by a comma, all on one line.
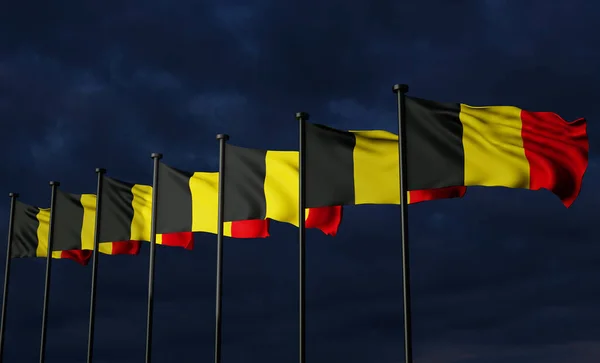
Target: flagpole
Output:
[(400, 90), (11, 222), (221, 218), (90, 349), (54, 185), (149, 320), (302, 117)]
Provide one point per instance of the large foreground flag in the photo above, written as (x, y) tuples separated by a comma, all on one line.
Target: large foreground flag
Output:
[(133, 206), (190, 200), (448, 145), (30, 238)]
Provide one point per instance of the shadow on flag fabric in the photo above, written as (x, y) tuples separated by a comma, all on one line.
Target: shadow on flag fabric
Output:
[(190, 200), (448, 145)]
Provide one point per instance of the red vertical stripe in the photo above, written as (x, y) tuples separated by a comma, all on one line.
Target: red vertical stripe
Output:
[(82, 257), (255, 228), (180, 239), (126, 248), (327, 219), (417, 196), (557, 152)]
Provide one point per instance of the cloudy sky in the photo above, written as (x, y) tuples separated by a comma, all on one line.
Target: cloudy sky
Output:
[(501, 275)]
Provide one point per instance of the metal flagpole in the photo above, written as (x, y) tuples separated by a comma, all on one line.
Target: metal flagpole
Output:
[(221, 210), (156, 157), (302, 117), (11, 222), (90, 349), (54, 185), (400, 90)]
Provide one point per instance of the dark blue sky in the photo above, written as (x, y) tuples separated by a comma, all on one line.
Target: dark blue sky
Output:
[(501, 275)]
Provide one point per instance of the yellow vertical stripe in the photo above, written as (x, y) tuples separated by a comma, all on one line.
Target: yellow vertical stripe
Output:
[(42, 233), (493, 146), (88, 201), (88, 227), (142, 212), (204, 188), (281, 186), (376, 165)]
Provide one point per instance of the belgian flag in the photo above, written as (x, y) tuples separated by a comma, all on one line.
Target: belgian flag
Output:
[(190, 201), (30, 237), (448, 145), (133, 206)]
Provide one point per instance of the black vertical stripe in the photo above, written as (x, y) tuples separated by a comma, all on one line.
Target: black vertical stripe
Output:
[(435, 152), (174, 213), (245, 171), (116, 210), (329, 166), (68, 222), (24, 238)]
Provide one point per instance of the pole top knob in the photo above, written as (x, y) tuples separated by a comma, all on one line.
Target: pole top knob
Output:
[(302, 116), (402, 88)]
